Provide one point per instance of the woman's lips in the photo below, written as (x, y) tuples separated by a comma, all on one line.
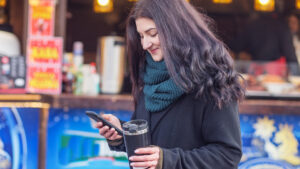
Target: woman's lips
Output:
[(154, 50)]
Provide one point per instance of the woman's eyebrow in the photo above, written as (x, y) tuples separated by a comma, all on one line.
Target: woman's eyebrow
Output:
[(148, 30)]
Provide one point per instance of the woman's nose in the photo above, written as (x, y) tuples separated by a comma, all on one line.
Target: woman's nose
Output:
[(146, 44)]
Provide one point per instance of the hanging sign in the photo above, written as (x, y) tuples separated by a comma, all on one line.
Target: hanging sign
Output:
[(41, 18)]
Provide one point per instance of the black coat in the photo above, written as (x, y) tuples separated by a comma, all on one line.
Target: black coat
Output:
[(195, 134)]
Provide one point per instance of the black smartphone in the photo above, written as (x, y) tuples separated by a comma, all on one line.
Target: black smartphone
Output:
[(98, 118)]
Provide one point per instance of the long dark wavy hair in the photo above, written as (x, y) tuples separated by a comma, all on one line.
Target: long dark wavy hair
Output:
[(197, 61)]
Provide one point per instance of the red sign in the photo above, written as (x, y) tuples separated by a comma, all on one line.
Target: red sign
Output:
[(44, 50), (44, 65), (43, 80), (41, 18)]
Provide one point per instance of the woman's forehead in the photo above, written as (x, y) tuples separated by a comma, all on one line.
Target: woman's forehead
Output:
[(144, 24)]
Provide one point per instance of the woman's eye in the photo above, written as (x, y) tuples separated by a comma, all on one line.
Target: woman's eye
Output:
[(153, 35)]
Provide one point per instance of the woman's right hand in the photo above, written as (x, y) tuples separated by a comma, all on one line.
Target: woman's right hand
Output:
[(105, 131)]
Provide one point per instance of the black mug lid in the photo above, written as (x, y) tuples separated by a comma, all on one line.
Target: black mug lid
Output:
[(138, 126)]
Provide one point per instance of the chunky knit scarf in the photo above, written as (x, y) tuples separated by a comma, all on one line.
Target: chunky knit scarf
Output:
[(159, 89)]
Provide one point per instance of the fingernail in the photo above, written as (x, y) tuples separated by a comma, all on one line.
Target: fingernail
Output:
[(136, 151), (130, 158), (132, 164)]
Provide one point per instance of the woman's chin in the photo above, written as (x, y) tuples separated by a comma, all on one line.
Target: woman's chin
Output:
[(157, 58)]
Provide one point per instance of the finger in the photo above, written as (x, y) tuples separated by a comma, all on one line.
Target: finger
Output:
[(98, 124), (115, 136), (152, 167), (151, 157), (144, 164), (147, 150), (109, 133), (103, 130), (118, 136)]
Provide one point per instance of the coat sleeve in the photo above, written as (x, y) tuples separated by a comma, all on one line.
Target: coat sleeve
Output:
[(221, 132), (117, 145)]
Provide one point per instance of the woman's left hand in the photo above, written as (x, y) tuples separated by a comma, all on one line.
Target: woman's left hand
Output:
[(146, 157)]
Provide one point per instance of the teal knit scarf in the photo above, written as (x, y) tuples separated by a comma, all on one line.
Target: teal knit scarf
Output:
[(159, 89)]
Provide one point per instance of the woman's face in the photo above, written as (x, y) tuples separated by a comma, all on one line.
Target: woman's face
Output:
[(149, 37)]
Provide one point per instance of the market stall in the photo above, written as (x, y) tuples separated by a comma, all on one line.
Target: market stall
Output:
[(68, 69)]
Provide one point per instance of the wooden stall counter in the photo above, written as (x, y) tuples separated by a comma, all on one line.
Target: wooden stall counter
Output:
[(250, 105)]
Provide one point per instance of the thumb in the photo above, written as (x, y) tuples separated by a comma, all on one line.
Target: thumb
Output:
[(106, 117)]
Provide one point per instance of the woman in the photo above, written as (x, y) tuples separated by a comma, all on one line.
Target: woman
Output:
[(184, 85)]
